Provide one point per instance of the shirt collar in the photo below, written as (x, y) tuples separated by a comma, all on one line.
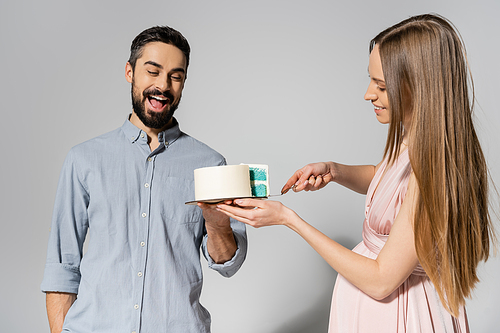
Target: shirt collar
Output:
[(167, 137)]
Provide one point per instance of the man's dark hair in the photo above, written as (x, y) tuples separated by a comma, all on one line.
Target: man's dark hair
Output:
[(162, 34)]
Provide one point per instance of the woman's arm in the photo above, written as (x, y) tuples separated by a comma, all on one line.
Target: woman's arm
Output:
[(315, 176), (378, 277)]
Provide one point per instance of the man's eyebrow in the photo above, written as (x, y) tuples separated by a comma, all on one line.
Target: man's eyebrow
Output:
[(179, 69), (152, 63)]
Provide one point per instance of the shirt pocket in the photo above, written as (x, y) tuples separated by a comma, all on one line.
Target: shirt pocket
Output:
[(174, 195)]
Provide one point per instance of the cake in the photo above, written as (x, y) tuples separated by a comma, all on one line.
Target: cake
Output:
[(214, 184), (222, 182)]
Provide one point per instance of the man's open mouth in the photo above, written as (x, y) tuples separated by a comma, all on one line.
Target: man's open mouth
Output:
[(158, 103)]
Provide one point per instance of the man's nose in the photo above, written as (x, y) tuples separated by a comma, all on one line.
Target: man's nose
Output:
[(163, 83)]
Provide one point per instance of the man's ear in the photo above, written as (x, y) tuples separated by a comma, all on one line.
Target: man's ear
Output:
[(129, 72)]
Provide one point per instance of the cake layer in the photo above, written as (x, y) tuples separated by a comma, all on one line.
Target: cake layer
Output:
[(222, 182), (259, 179), (259, 190)]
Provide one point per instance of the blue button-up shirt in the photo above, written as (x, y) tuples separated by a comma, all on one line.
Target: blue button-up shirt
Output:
[(142, 271)]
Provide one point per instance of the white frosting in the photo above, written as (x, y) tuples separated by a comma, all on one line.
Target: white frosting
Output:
[(222, 182)]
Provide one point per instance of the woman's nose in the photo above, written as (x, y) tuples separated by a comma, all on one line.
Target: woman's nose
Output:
[(370, 94)]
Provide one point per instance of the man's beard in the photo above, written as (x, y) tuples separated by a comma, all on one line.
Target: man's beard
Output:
[(149, 118)]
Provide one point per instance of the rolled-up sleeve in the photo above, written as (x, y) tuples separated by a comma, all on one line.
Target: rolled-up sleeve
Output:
[(230, 267), (67, 232)]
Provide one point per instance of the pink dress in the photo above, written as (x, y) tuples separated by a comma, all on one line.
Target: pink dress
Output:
[(412, 307)]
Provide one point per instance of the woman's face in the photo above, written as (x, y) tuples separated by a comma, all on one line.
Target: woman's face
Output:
[(376, 92)]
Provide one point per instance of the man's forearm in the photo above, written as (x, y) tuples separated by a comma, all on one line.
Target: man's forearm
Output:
[(58, 305), (221, 244)]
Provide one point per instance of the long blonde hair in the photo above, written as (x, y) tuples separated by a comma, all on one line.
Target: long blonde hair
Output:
[(428, 80)]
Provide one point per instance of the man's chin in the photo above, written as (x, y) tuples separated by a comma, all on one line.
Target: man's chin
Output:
[(157, 120)]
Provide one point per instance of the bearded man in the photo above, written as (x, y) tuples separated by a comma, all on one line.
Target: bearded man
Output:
[(127, 190)]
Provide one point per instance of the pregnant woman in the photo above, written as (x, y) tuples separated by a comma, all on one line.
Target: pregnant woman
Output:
[(427, 224)]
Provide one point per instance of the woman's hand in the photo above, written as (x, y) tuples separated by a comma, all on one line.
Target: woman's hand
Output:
[(312, 177), (258, 213)]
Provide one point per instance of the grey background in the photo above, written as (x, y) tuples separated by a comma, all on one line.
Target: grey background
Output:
[(273, 82)]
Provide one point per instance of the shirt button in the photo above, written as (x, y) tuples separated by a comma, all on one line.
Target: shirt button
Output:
[(146, 185), (133, 332), (142, 243), (136, 306), (150, 159), (139, 274), (144, 214), (166, 143), (142, 135)]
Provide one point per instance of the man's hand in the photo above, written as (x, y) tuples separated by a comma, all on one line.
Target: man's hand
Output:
[(221, 244), (213, 218)]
